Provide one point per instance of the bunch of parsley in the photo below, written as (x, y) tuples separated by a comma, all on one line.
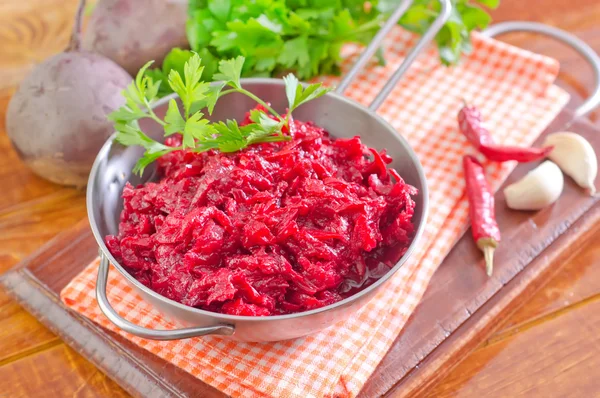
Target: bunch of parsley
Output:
[(306, 36), (198, 133)]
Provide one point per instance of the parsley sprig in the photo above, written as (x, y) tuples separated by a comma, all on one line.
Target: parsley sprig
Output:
[(198, 133), (306, 36)]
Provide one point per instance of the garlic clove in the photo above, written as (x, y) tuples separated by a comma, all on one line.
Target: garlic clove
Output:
[(575, 156), (537, 189)]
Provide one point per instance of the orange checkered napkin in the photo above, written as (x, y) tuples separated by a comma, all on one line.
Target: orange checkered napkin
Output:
[(511, 86)]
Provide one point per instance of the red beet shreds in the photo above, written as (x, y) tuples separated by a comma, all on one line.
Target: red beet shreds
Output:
[(274, 229)]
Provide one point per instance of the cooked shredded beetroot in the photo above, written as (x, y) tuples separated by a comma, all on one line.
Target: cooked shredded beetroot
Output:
[(274, 229)]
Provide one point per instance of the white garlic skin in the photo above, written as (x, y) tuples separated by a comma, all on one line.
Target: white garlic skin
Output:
[(576, 158), (539, 188)]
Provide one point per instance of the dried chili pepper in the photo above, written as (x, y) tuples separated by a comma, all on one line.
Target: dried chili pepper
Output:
[(497, 153), (481, 210), (470, 124)]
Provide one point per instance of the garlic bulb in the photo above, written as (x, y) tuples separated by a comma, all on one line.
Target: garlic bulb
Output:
[(537, 189), (575, 156)]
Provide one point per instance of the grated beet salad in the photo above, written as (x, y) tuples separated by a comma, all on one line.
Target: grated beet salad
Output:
[(274, 229)]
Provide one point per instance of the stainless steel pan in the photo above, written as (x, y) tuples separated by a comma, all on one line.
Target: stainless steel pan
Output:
[(340, 116)]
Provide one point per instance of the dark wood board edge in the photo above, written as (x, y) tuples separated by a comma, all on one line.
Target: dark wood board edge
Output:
[(447, 351), (459, 288), (33, 274), (499, 308), (78, 332), (74, 330), (139, 372)]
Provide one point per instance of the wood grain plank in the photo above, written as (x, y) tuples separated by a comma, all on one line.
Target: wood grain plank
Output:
[(136, 370), (28, 38), (460, 288), (575, 286), (577, 281), (59, 262), (556, 358), (57, 372), (498, 309), (24, 334), (37, 282), (27, 226), (31, 31)]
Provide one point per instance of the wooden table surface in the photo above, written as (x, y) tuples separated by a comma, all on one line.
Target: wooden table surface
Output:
[(548, 348)]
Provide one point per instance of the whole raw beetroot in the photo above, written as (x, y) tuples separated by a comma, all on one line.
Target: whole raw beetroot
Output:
[(57, 118), (133, 32)]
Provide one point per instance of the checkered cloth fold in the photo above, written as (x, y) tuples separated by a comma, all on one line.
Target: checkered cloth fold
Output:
[(511, 86)]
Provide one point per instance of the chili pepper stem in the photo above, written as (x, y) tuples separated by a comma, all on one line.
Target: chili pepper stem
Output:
[(488, 246), (488, 254)]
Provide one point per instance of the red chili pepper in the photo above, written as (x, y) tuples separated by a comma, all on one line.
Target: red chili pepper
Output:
[(481, 210), (498, 153), (470, 124)]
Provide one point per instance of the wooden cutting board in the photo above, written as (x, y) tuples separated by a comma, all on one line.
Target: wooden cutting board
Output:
[(460, 308)]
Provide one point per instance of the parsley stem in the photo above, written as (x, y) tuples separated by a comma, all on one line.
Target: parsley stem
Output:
[(249, 94), (261, 102), (365, 27), (277, 138), (287, 122), (372, 24), (152, 115), (156, 119), (223, 93)]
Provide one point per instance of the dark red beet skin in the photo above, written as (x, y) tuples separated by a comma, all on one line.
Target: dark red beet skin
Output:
[(274, 229)]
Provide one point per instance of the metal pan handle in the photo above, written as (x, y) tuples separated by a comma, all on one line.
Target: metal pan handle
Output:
[(445, 10), (571, 40), (132, 328)]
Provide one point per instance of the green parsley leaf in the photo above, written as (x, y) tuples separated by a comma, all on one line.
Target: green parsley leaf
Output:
[(200, 134), (210, 100), (124, 114), (193, 71), (149, 157), (199, 129), (231, 138), (493, 4), (142, 82), (176, 83), (175, 122), (306, 37), (261, 118), (264, 128), (386, 6), (291, 89), (265, 64), (130, 134), (152, 89), (192, 90), (176, 59), (138, 96), (418, 18), (295, 53), (230, 71), (343, 24), (475, 18), (298, 95), (220, 9)]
